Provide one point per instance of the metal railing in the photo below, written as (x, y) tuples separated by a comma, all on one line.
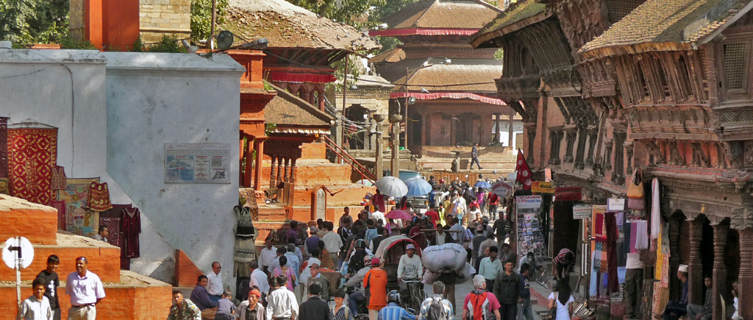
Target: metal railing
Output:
[(354, 164)]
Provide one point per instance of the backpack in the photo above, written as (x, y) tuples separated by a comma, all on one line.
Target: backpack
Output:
[(437, 310), (477, 301)]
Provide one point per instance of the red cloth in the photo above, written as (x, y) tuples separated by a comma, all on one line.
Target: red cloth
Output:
[(3, 147), (524, 173), (99, 197), (612, 235), (130, 226), (378, 201), (433, 216), (32, 155), (112, 219), (60, 206)]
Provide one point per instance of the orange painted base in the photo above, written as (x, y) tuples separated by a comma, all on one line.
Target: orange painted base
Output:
[(37, 225), (104, 261), (186, 272)]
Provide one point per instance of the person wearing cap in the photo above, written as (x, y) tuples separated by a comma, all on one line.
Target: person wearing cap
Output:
[(393, 310), (375, 281), (677, 308), (86, 290), (315, 308), (409, 271), (316, 277), (251, 309)]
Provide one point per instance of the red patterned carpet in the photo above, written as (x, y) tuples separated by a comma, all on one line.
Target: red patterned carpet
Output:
[(32, 154)]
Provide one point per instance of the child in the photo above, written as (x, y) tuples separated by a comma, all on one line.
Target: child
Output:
[(36, 307), (49, 279), (226, 308)]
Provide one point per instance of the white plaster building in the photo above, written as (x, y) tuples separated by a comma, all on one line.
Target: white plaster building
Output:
[(115, 111)]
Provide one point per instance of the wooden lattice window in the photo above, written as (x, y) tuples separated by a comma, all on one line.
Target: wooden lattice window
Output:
[(734, 64)]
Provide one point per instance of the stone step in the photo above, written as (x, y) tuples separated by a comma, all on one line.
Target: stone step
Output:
[(134, 297), (36, 222), (103, 258)]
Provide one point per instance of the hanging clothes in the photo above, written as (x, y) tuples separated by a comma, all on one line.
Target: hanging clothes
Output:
[(641, 235), (655, 209), (58, 178), (32, 156), (612, 235), (130, 226), (113, 220), (59, 205), (4, 155), (99, 197)]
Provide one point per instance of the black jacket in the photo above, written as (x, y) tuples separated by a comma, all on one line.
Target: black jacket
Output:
[(507, 287), (315, 309)]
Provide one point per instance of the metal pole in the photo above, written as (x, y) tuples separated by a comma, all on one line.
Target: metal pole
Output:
[(214, 19), (341, 120), (18, 272), (405, 88)]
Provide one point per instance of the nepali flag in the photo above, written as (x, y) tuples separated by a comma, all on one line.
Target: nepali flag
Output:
[(524, 173)]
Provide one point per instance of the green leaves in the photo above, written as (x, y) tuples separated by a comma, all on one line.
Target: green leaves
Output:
[(26, 22), (201, 17)]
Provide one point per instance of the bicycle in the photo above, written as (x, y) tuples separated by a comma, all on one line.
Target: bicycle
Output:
[(415, 296)]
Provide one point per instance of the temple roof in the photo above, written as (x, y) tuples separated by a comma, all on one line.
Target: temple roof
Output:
[(289, 112), (444, 15), (516, 17), (450, 77), (658, 25), (288, 26), (392, 55)]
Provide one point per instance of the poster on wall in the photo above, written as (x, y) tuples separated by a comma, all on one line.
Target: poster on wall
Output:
[(530, 232), (197, 163)]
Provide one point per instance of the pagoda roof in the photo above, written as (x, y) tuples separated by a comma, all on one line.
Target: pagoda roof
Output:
[(289, 26), (291, 114), (449, 77), (389, 56), (439, 17), (518, 16), (660, 25)]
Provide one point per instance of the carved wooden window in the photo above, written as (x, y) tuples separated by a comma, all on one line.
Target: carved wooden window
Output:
[(734, 65)]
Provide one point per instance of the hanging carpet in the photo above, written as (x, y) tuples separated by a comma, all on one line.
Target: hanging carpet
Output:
[(32, 155), (99, 197), (4, 153), (76, 195)]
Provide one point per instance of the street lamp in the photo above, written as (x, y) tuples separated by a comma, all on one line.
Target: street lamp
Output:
[(411, 100)]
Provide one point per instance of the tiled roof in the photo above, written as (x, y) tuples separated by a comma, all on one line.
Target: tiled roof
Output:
[(286, 109), (288, 26), (517, 12), (456, 78), (658, 24), (454, 14), (392, 55)]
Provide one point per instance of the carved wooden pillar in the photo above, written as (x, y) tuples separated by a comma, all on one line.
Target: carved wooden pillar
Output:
[(259, 147), (674, 255), (745, 278), (695, 268), (554, 157), (509, 129), (629, 159), (247, 174), (591, 145), (272, 176), (569, 147), (618, 174), (286, 170), (719, 272), (580, 152), (495, 118), (278, 177), (291, 181)]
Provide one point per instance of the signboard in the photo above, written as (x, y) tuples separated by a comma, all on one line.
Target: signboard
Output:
[(548, 174), (616, 204), (197, 163), (501, 189), (15, 248), (582, 211), (530, 231), (542, 187)]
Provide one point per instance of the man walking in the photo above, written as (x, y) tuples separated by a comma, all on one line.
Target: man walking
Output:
[(375, 282), (85, 290), (315, 308), (633, 284), (437, 305), (258, 279), (51, 282), (480, 304), (490, 268), (332, 242), (474, 157), (507, 289), (281, 303)]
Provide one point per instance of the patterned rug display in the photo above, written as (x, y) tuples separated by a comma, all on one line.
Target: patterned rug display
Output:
[(32, 154), (79, 220), (4, 152)]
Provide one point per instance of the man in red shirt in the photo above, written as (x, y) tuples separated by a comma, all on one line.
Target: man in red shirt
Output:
[(376, 282), (433, 215)]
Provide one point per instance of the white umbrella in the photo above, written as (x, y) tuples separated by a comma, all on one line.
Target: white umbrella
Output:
[(391, 186), (365, 182)]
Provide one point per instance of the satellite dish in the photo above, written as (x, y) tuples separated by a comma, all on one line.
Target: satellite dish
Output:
[(224, 40), (18, 246)]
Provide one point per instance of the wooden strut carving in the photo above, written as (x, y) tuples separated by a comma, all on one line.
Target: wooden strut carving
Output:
[(655, 154), (674, 153), (700, 157)]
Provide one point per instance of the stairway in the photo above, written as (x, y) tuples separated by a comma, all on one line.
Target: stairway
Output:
[(129, 295)]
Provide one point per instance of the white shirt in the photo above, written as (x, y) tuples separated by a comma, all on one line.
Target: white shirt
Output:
[(378, 215), (458, 207), (332, 242), (281, 303), (259, 279), (84, 290), (214, 287), (633, 261), (563, 312), (458, 231), (35, 309), (410, 268), (267, 257)]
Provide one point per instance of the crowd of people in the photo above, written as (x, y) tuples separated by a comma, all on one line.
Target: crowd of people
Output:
[(315, 271)]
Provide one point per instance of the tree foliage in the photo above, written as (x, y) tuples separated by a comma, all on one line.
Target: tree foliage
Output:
[(201, 17), (27, 22)]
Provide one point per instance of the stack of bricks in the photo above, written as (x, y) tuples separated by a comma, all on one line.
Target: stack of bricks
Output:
[(128, 295), (158, 18)]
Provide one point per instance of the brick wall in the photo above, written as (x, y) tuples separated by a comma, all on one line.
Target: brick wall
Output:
[(164, 17), (186, 271)]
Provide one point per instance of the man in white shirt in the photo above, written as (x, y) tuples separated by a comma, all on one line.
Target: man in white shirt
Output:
[(332, 242), (258, 278), (281, 303), (633, 284), (36, 307), (215, 287), (267, 257), (86, 290)]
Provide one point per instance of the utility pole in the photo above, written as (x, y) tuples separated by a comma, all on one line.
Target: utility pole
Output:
[(214, 19), (395, 119)]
